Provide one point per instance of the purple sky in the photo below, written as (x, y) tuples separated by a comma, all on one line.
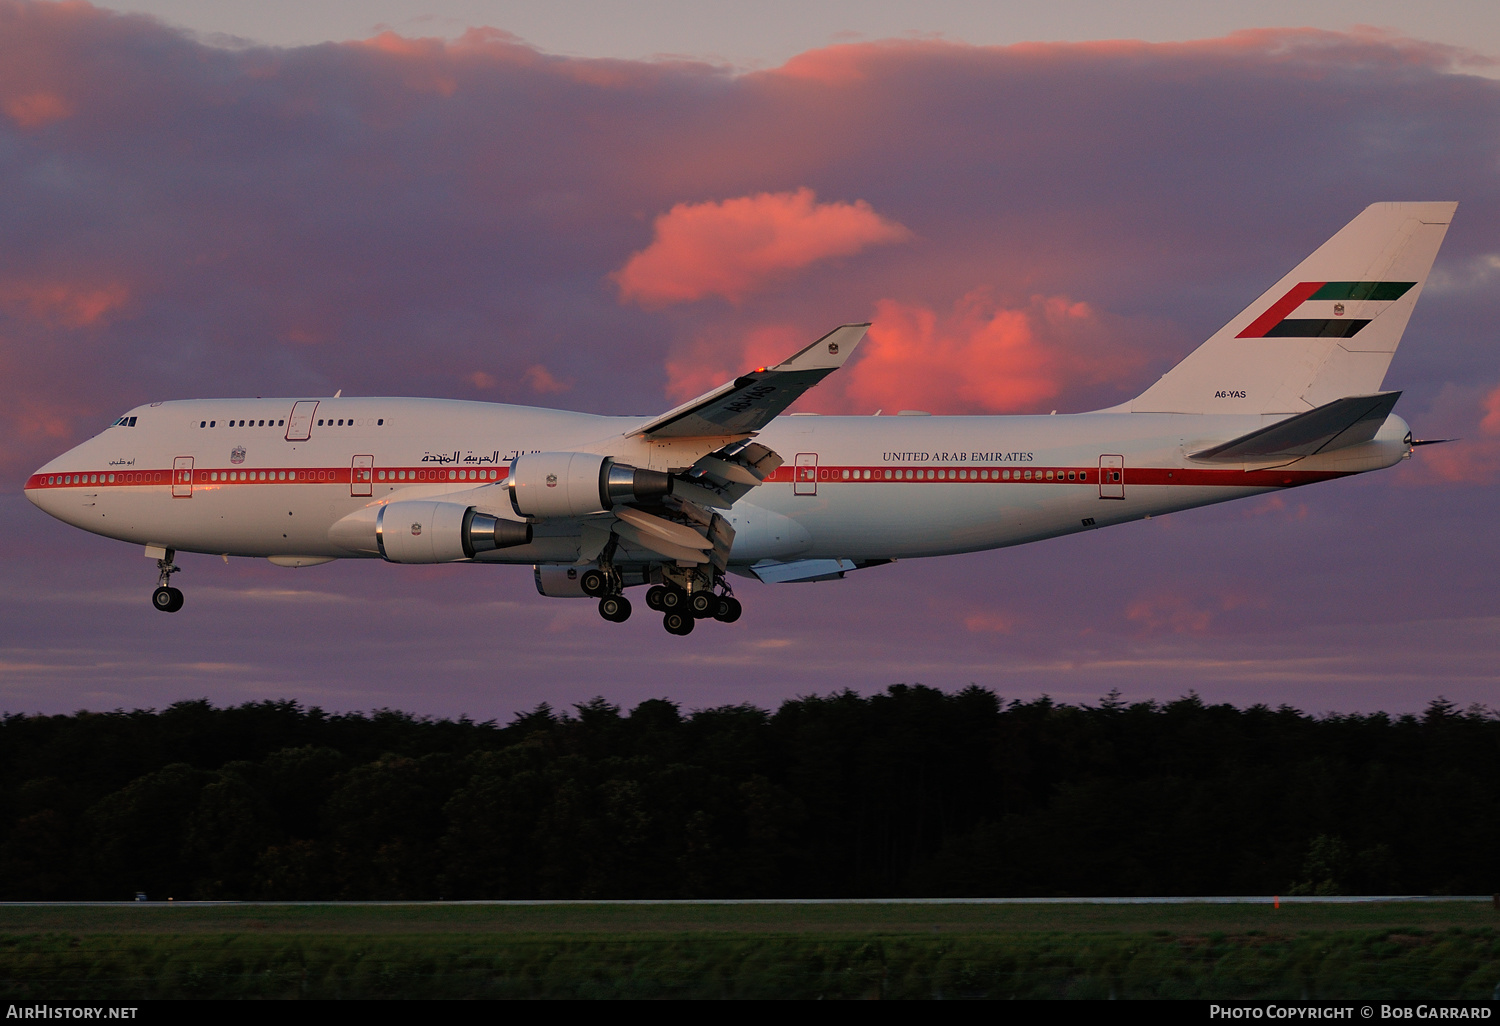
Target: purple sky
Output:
[(414, 217)]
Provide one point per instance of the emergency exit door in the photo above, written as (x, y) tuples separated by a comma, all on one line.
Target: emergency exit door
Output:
[(806, 480), (299, 424)]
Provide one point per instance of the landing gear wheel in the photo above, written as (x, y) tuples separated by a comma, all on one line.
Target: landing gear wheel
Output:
[(678, 622), (729, 609), (594, 582), (702, 604), (168, 600), (615, 608), (670, 599), (653, 597)]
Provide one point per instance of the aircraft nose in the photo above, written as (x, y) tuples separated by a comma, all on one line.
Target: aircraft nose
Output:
[(37, 490), (34, 488)]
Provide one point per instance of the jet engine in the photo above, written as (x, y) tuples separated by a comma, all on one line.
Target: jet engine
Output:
[(429, 531), (574, 484)]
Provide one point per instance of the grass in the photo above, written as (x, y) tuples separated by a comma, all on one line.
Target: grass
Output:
[(1378, 951)]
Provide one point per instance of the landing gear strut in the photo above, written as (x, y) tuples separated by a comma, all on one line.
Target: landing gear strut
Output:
[(165, 597)]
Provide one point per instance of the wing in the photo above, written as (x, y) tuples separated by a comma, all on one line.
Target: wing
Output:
[(684, 527), (749, 402)]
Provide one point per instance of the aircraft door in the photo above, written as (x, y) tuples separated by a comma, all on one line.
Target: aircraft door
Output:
[(299, 424), (1111, 477), (182, 477), (806, 481), (361, 475)]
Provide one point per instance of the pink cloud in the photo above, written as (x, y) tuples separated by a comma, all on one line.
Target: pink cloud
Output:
[(62, 303), (981, 357), (1490, 425), (1167, 612), (421, 61), (990, 623), (34, 110), (734, 247), (540, 379), (1174, 613), (1468, 460)]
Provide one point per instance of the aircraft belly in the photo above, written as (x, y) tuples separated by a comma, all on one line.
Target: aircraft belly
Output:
[(888, 522)]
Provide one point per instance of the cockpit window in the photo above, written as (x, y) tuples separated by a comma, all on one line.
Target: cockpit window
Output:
[(124, 422)]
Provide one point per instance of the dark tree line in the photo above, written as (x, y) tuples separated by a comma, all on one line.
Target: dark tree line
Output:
[(908, 792)]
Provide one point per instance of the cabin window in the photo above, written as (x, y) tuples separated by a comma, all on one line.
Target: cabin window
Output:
[(380, 422), (203, 423)]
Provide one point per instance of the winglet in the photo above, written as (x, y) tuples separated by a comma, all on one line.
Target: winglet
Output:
[(749, 402), (827, 353)]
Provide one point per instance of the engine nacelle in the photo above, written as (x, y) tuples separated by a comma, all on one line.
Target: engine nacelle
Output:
[(431, 531), (575, 484), (558, 581)]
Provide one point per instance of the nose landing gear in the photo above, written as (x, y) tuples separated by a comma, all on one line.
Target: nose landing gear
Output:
[(165, 597)]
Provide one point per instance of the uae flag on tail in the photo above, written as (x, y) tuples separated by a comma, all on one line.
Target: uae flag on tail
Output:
[(1326, 309)]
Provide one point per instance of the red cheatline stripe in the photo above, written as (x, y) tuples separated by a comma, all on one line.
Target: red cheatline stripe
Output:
[(826, 475), (1279, 309), (213, 477)]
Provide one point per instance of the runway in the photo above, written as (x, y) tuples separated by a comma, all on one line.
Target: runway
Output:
[(1249, 899)]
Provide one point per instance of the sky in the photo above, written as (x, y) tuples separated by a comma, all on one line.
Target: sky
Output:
[(492, 205)]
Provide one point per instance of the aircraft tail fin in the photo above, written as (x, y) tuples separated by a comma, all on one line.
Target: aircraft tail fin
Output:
[(1325, 331)]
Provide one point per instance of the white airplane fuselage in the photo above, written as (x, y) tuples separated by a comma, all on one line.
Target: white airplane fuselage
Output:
[(872, 488)]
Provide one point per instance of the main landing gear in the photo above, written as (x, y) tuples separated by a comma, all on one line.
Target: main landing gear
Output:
[(603, 582), (683, 597), (681, 609), (165, 597)]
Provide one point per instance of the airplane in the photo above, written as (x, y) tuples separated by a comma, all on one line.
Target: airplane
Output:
[(1288, 393)]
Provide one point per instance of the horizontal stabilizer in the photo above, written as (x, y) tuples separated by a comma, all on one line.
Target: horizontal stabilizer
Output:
[(750, 402), (1338, 424)]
